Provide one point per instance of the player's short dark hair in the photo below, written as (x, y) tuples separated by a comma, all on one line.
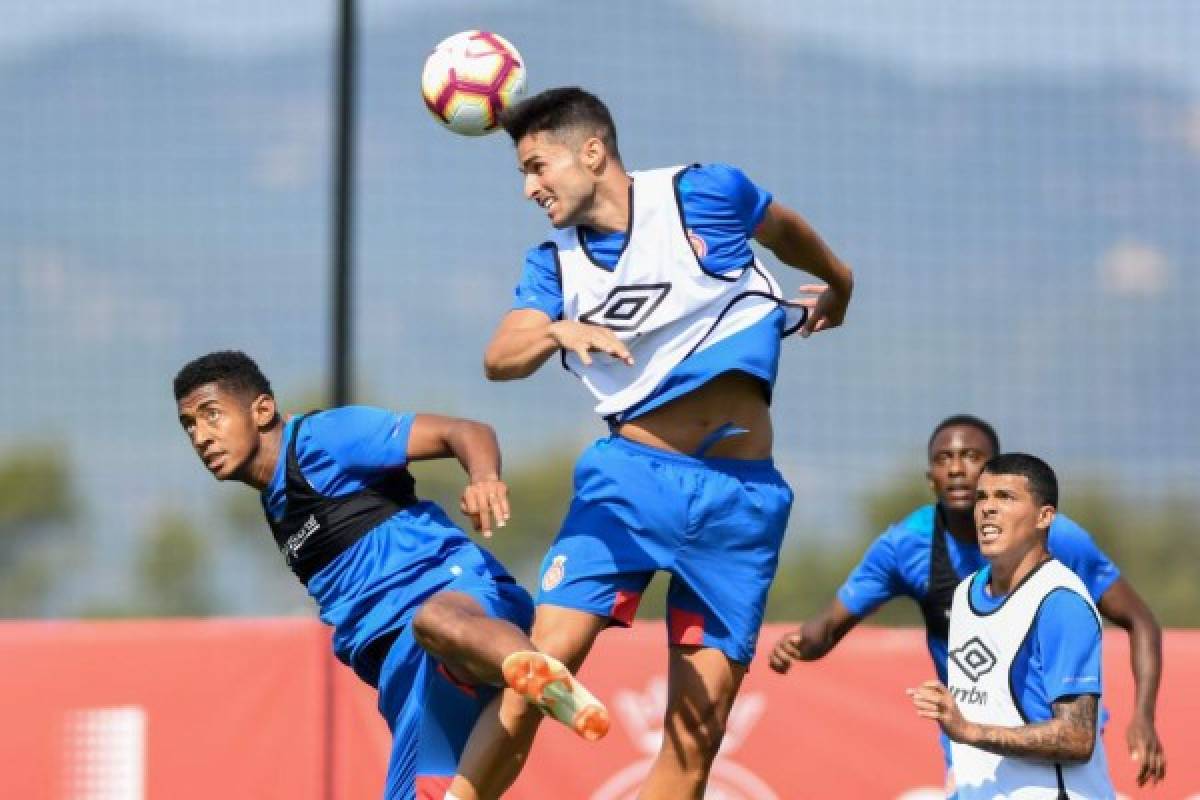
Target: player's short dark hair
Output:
[(233, 370), (1043, 484), (970, 421), (557, 110)]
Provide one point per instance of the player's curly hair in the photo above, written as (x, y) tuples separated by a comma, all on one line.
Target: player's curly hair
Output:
[(556, 110), (1043, 483), (232, 369), (969, 421)]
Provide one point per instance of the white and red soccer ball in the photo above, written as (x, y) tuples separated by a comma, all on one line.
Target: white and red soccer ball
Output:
[(471, 77)]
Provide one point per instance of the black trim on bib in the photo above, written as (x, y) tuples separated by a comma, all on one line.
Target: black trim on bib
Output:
[(628, 235), (557, 272), (942, 581), (737, 299), (734, 274), (1062, 784), (977, 612)]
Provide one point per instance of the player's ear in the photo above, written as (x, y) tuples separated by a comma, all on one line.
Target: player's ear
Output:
[(929, 482), (264, 410), (1045, 516), (594, 153)]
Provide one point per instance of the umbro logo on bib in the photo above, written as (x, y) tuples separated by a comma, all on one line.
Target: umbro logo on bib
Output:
[(974, 658), (627, 307)]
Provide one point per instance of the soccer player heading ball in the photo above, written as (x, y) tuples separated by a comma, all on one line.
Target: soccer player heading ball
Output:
[(650, 292)]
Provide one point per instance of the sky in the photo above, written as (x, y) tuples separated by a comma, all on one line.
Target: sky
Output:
[(1156, 36)]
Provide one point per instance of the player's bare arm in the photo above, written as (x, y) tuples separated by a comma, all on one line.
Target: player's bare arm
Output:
[(794, 242), (526, 338), (485, 499), (1067, 738), (814, 638), (1124, 607)]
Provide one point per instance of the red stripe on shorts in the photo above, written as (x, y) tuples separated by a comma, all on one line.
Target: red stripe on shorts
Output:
[(685, 627), (625, 606), (462, 686)]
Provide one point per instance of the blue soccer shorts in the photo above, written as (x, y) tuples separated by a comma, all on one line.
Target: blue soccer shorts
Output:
[(430, 712), (715, 524)]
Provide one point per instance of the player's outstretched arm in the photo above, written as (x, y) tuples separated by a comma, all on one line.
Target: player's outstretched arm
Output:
[(526, 338), (794, 242), (485, 500), (814, 638), (1123, 606), (1068, 737)]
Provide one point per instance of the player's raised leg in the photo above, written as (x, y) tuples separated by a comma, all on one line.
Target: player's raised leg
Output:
[(500, 742), (477, 648), (458, 632)]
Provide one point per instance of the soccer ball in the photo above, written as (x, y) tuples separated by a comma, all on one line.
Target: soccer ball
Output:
[(469, 78)]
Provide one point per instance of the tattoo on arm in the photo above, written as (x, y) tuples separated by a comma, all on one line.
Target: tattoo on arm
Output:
[(1068, 737)]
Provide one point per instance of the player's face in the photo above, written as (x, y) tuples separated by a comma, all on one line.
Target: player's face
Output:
[(956, 457), (1009, 520), (222, 427), (556, 176)]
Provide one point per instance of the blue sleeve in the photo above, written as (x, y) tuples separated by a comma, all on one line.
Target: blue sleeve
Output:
[(1072, 545), (726, 188), (873, 582), (362, 440), (1068, 640), (539, 287)]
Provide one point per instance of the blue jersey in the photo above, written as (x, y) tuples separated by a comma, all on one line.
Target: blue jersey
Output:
[(378, 582), (721, 209), (1060, 656), (898, 564), (342, 450)]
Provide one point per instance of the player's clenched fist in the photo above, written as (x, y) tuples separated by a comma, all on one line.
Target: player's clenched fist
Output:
[(581, 339), (485, 503)]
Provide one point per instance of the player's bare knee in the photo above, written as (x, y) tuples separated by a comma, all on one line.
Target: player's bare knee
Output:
[(700, 746), (694, 735), (439, 627), (567, 639), (567, 647)]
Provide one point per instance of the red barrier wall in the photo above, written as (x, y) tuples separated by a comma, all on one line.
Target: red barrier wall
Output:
[(228, 709), (259, 709)]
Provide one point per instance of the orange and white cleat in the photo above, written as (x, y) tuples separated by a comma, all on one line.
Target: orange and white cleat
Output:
[(544, 681)]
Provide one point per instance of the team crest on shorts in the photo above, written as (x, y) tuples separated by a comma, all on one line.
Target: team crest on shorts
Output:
[(554, 573)]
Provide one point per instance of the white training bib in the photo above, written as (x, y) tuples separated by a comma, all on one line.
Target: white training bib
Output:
[(658, 299), (982, 648)]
